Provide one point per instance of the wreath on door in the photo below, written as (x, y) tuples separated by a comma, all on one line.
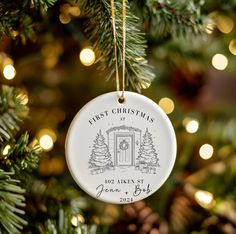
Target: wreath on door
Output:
[(124, 145)]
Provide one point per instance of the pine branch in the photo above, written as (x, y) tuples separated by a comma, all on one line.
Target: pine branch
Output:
[(21, 155), (11, 203), (42, 4), (99, 32), (12, 111), (64, 225), (177, 18), (18, 17)]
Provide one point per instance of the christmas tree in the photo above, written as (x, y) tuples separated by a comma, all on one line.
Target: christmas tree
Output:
[(191, 48), (147, 152), (100, 156)]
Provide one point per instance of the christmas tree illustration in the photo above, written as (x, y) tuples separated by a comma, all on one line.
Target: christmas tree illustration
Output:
[(100, 156), (147, 152)]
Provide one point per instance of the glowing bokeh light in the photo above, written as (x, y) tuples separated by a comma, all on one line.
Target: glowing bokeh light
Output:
[(75, 11), (206, 151), (87, 56), (46, 137), (9, 72), (219, 61), (191, 125), (232, 46), (205, 199), (224, 23), (167, 105), (46, 142), (64, 18)]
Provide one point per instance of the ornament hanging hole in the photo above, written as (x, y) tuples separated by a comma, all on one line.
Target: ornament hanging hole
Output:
[(121, 99)]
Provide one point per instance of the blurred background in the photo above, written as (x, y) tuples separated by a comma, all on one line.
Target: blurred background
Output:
[(193, 56)]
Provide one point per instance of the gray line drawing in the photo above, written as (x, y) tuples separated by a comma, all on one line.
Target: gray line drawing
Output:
[(100, 157), (125, 148)]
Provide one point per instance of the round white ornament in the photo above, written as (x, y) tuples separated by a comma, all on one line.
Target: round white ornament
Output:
[(120, 152)]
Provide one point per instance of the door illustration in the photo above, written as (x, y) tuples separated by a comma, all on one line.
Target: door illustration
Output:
[(124, 143)]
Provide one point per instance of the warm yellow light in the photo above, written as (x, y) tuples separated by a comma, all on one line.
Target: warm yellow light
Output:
[(232, 46), (76, 220), (6, 150), (219, 61), (9, 72), (167, 105), (64, 18), (87, 56), (206, 151), (224, 23), (191, 125), (75, 11), (204, 199), (46, 137), (46, 142), (47, 131)]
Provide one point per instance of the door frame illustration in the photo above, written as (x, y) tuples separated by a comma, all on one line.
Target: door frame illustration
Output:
[(132, 150)]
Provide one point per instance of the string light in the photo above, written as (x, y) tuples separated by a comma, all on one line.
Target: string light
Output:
[(205, 199), (219, 61), (64, 18), (206, 151), (75, 11), (167, 105), (87, 56), (46, 142), (67, 9), (6, 150), (46, 137), (9, 72), (224, 23), (232, 46), (191, 125)]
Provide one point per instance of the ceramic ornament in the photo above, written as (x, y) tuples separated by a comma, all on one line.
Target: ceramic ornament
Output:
[(120, 152)]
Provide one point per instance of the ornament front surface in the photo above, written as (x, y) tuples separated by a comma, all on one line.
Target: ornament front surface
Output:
[(120, 152)]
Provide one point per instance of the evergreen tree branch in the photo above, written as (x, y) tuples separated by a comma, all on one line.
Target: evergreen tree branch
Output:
[(22, 155), (12, 111), (64, 225), (11, 203), (18, 17), (99, 32), (177, 18), (42, 4)]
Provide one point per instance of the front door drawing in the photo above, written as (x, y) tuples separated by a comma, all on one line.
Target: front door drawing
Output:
[(124, 149)]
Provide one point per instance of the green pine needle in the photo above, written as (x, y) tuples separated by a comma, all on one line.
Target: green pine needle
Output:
[(99, 32), (42, 4), (12, 111), (177, 18), (11, 203), (21, 155), (18, 17)]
